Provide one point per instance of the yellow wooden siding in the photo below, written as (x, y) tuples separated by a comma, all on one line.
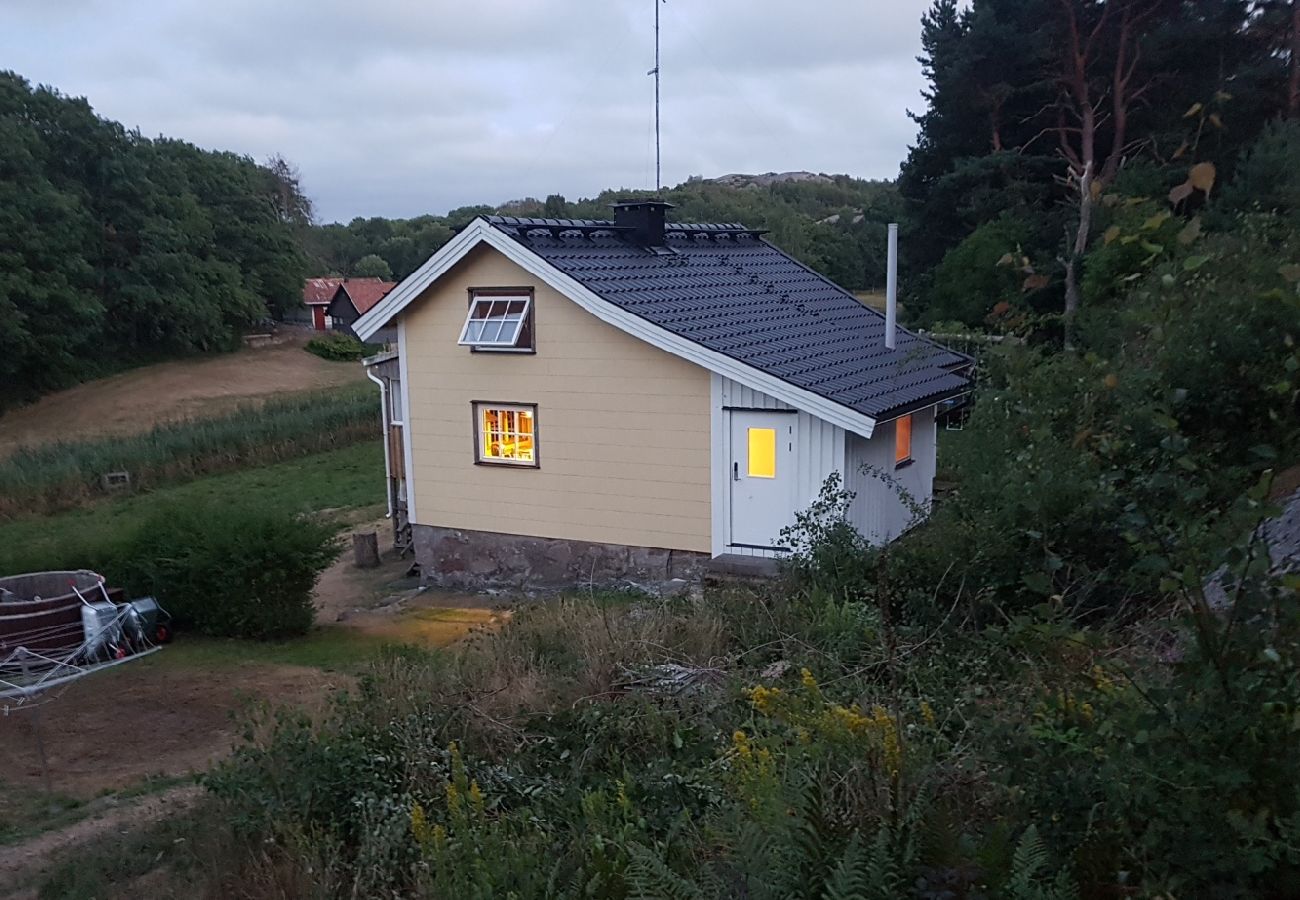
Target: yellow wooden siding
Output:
[(622, 427)]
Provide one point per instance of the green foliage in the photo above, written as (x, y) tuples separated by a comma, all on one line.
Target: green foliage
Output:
[(372, 266), (993, 114), (974, 278), (57, 476), (229, 570), (826, 551), (89, 538), (338, 346), (1136, 235), (1268, 177), (118, 249)]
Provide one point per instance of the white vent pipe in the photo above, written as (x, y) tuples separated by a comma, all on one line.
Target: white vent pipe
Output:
[(891, 288)]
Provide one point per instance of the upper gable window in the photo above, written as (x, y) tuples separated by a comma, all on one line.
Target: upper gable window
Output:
[(499, 321)]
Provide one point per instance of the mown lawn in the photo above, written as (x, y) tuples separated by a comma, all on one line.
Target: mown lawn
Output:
[(337, 480)]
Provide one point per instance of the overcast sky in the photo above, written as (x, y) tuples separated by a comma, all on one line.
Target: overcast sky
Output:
[(399, 107)]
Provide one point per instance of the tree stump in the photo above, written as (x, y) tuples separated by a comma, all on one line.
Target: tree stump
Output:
[(365, 549)]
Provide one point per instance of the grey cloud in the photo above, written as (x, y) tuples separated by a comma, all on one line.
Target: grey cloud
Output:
[(398, 107)]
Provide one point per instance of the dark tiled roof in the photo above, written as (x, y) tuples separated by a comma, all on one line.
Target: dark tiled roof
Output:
[(727, 289)]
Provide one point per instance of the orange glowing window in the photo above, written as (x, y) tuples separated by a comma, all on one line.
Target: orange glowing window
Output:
[(762, 452), (505, 434), (903, 440)]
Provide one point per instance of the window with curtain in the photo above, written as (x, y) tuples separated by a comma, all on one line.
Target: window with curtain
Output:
[(505, 434)]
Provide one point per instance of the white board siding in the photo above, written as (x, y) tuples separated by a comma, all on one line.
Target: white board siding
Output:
[(877, 511), (819, 451)]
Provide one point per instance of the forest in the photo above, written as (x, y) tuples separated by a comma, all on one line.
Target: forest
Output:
[(117, 250)]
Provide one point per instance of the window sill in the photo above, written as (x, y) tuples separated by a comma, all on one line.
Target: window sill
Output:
[(904, 464), (506, 464), (516, 350)]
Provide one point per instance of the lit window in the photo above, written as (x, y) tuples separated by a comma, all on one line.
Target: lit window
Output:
[(903, 440), (762, 453), (498, 322), (505, 434)]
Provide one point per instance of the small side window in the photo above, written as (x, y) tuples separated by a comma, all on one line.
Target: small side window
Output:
[(395, 401), (902, 441)]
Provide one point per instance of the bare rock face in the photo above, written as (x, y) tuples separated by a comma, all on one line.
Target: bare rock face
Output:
[(1282, 536), (738, 180)]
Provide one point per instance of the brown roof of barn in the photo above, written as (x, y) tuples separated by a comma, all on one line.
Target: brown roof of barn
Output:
[(319, 291), (366, 292)]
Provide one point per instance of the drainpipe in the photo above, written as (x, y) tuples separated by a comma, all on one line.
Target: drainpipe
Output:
[(891, 288), (383, 409)]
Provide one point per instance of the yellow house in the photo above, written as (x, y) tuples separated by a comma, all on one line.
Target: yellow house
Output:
[(577, 401)]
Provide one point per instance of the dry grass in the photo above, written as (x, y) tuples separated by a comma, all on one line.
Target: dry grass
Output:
[(553, 655)]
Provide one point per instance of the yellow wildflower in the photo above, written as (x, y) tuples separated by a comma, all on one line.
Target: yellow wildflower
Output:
[(927, 713), (420, 825), (893, 749), (476, 797), (806, 676)]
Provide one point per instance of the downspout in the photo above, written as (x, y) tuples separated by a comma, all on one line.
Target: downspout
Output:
[(383, 410)]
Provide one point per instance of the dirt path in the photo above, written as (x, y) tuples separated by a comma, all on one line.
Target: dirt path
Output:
[(147, 719), (20, 862), (138, 400)]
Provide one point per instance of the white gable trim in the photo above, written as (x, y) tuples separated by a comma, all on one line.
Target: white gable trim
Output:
[(480, 232)]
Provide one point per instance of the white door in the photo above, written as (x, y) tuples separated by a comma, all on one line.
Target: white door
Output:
[(762, 476)]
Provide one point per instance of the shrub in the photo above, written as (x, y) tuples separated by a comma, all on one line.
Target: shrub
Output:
[(969, 282), (230, 570), (340, 347)]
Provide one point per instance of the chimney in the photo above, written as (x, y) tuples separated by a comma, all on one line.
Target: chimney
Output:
[(645, 218), (891, 288)]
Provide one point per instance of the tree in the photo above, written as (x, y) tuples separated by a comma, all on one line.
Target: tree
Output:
[(1100, 82), (555, 207), (292, 205), (372, 266)]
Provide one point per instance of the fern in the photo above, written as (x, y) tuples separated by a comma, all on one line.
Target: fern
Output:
[(849, 879), (649, 878), (883, 868), (1028, 865)]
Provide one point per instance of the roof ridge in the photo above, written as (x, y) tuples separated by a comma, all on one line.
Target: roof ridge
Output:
[(540, 222)]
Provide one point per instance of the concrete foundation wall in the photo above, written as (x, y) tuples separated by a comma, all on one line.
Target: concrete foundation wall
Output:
[(480, 560)]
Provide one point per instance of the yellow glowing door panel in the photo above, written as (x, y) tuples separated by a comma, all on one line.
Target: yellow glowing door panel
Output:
[(762, 452)]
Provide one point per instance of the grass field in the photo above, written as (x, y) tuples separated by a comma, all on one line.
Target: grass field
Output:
[(202, 387), (59, 476), (349, 478)]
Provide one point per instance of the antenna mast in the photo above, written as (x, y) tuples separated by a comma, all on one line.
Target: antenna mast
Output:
[(655, 70)]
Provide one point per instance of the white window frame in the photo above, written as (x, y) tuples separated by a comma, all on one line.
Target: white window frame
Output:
[(478, 409), (509, 329)]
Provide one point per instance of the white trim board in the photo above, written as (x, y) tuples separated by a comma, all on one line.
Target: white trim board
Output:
[(480, 232), (404, 374)]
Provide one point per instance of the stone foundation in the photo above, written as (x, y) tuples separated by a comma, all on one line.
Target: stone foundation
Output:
[(484, 561)]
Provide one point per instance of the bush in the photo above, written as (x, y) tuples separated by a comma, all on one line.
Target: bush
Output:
[(969, 282), (230, 570), (340, 347)]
